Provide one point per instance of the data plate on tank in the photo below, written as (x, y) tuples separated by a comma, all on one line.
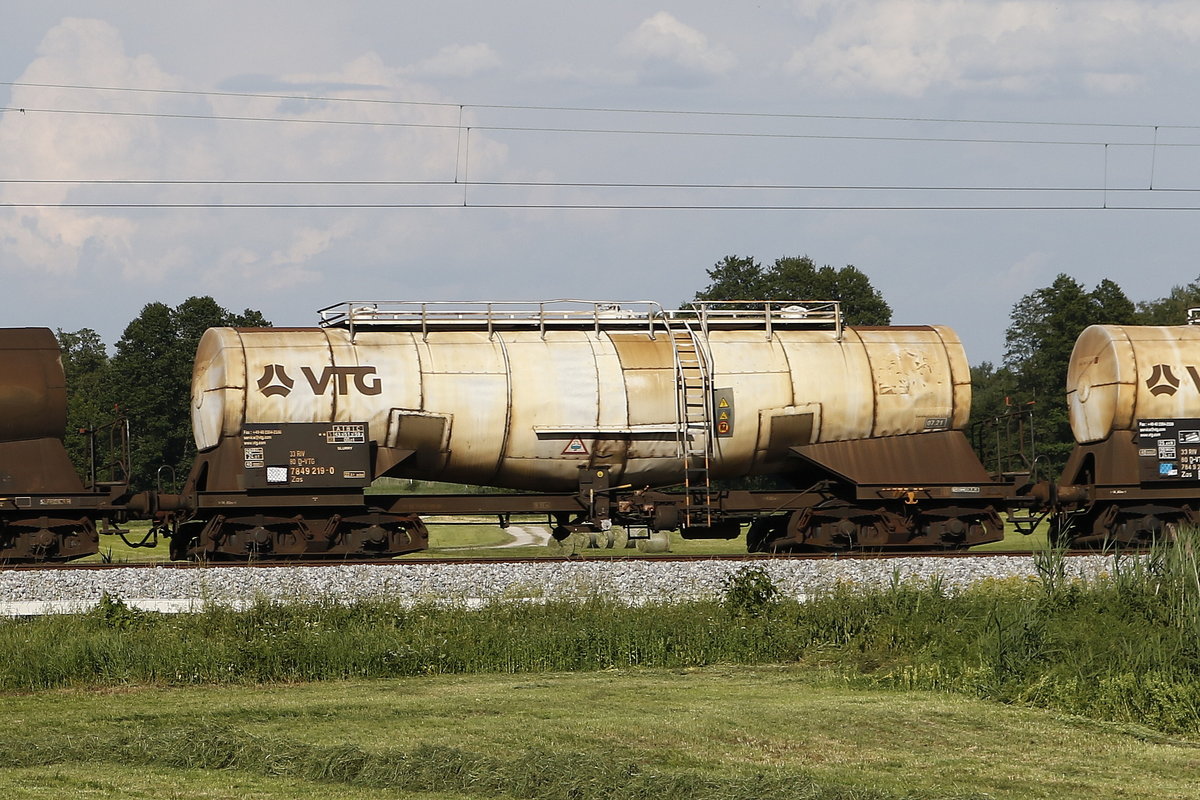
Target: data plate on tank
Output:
[(306, 455), (1168, 449)]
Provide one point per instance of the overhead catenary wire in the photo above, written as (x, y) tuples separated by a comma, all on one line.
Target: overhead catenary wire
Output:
[(1105, 205), (457, 126), (463, 128), (596, 109), (518, 184)]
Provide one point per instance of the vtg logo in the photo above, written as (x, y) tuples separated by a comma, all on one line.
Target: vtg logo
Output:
[(1162, 379), (276, 382)]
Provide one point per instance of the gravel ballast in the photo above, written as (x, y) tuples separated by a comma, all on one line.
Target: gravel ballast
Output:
[(46, 591)]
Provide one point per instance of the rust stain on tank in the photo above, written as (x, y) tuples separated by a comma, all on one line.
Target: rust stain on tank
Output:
[(638, 351)]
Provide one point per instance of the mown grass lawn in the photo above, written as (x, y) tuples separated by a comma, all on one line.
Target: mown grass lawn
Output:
[(715, 729)]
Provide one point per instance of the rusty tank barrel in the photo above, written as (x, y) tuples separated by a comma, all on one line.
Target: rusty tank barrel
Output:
[(485, 395), (48, 513), (33, 394)]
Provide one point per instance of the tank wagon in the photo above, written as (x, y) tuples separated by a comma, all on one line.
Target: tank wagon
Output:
[(46, 512), (597, 413), (1133, 393)]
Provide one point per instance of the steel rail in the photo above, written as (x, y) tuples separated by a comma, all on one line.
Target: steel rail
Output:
[(597, 558)]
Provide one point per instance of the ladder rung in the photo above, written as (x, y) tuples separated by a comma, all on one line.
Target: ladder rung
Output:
[(694, 410)]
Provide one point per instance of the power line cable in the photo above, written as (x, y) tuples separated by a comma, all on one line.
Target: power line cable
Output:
[(462, 128), (1106, 205), (599, 109), (587, 185), (598, 131)]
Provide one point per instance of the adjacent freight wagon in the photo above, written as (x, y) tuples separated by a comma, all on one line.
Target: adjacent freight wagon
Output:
[(1134, 398), (46, 512)]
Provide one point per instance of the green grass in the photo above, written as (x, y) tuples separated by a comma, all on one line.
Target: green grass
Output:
[(719, 732), (113, 549), (1053, 688), (1125, 648), (486, 540), (1017, 542), (102, 777), (407, 486)]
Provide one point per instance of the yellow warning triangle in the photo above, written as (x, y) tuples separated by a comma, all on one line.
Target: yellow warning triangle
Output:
[(723, 404)]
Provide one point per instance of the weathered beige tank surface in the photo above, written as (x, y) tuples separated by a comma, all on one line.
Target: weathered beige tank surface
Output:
[(1120, 374), (523, 395)]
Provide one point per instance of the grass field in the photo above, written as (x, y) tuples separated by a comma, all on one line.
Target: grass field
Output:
[(716, 732), (906, 691)]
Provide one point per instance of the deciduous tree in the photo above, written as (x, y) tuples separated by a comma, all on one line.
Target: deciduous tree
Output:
[(85, 362), (1038, 344), (1172, 309), (152, 371), (798, 278)]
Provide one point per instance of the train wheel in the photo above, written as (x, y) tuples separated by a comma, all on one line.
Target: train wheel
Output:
[(763, 531), (185, 540)]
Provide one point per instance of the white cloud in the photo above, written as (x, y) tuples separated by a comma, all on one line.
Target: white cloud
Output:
[(1025, 273), (45, 142), (563, 73), (671, 52), (137, 135), (910, 47), (459, 61)]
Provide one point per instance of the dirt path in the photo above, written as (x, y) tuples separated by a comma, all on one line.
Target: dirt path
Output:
[(526, 536)]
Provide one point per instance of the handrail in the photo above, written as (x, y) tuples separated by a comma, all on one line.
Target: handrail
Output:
[(596, 314), (490, 314), (815, 313)]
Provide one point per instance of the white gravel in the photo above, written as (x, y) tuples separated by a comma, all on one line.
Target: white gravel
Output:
[(49, 591)]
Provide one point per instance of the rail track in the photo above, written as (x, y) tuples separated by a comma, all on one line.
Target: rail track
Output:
[(657, 557)]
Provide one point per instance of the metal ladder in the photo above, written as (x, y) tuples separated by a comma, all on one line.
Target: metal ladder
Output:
[(695, 425)]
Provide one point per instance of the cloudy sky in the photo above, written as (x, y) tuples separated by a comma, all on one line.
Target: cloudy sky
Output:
[(284, 156)]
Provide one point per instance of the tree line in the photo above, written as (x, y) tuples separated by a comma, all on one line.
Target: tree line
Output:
[(1044, 325), (147, 380), (740, 278)]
